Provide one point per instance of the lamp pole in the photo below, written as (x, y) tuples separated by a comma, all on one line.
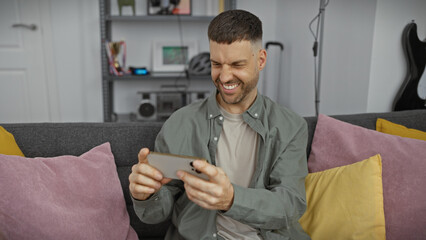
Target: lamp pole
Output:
[(321, 15)]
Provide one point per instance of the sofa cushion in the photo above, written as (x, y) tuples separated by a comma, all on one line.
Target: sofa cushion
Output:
[(338, 143), (8, 145), (350, 197), (385, 126), (65, 197)]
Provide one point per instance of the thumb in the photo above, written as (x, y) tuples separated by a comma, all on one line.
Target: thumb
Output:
[(142, 156)]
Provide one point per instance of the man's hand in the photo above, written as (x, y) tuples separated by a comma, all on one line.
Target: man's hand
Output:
[(216, 194), (145, 179)]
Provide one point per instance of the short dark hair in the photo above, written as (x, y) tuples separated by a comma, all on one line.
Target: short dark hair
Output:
[(235, 25)]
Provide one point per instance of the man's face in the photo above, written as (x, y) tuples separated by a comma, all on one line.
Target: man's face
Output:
[(235, 72)]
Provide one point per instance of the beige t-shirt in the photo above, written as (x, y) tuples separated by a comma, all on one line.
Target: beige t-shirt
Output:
[(237, 157)]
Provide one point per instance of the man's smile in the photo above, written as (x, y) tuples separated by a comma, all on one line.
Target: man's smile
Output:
[(229, 87)]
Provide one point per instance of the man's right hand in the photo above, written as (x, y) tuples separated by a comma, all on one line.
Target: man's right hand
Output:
[(145, 179)]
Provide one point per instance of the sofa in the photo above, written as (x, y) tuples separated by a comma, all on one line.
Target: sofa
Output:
[(126, 139)]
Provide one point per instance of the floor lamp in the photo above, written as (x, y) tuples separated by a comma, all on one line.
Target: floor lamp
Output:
[(317, 48)]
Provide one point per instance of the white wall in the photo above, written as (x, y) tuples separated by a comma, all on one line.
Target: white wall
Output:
[(76, 53), (388, 63), (297, 85), (347, 52), (363, 64), (346, 58)]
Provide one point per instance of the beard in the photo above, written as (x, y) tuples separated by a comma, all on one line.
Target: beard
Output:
[(246, 89)]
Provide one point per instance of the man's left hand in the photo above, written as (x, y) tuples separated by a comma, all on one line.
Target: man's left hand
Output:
[(215, 194)]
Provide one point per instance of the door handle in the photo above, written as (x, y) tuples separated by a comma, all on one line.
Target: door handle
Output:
[(32, 27)]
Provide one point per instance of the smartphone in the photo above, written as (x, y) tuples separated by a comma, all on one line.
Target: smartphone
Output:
[(169, 164)]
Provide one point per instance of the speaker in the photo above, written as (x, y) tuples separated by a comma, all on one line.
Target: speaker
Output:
[(167, 103), (147, 107), (159, 105)]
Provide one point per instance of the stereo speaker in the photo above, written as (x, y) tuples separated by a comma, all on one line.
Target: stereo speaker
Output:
[(148, 107)]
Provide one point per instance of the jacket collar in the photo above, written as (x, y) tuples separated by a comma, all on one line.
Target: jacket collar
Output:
[(255, 111), (212, 106), (253, 116)]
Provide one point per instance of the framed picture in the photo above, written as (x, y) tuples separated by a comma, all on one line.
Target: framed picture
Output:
[(172, 56), (169, 7)]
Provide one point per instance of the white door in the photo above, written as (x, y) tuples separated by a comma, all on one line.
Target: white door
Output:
[(24, 95)]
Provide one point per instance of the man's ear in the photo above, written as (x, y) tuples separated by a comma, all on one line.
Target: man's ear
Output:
[(261, 59)]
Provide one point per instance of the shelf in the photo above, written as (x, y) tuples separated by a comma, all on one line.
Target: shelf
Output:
[(110, 78), (159, 18), (107, 20)]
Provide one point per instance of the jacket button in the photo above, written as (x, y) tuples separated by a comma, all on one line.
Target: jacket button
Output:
[(214, 235), (215, 138)]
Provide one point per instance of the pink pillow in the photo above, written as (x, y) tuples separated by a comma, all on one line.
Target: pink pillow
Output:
[(63, 197), (337, 143)]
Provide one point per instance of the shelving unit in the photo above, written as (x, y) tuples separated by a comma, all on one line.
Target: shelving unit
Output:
[(159, 18), (111, 78), (108, 80)]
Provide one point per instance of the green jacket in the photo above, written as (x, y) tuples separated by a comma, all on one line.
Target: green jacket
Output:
[(275, 199)]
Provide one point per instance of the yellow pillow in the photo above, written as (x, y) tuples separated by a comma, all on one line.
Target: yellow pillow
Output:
[(8, 145), (346, 202), (388, 127)]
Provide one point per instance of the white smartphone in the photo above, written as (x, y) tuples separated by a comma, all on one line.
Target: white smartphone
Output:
[(169, 164)]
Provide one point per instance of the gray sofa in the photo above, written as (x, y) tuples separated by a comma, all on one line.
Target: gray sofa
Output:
[(55, 139)]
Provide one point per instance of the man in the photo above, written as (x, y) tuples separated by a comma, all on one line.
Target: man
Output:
[(256, 151)]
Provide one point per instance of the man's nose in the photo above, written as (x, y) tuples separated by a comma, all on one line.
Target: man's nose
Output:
[(226, 74)]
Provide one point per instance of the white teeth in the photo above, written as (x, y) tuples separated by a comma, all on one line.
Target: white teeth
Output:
[(230, 87)]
